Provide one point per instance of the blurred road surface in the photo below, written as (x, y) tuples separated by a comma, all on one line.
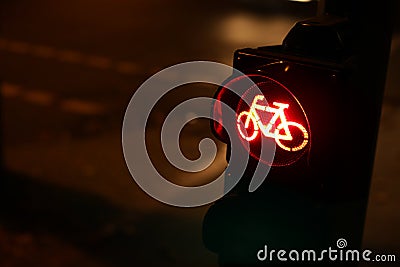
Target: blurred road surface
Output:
[(68, 70)]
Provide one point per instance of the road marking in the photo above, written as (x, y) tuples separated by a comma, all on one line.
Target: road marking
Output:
[(98, 62), (69, 56), (127, 67), (81, 107), (10, 90), (18, 47), (38, 97), (43, 51), (44, 98)]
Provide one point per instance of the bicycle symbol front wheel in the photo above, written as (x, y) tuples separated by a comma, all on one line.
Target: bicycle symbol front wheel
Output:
[(303, 136), (246, 123)]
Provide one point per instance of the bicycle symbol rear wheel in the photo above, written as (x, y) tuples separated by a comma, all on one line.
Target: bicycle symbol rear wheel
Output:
[(295, 148)]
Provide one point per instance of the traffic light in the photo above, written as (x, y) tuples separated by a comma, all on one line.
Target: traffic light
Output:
[(314, 109), (309, 106)]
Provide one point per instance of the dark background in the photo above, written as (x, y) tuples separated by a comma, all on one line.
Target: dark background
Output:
[(68, 70)]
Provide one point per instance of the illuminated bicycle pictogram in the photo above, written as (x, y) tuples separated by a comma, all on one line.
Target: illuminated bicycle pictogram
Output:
[(268, 130)]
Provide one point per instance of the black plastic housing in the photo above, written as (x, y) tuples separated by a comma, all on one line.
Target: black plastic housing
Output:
[(323, 196)]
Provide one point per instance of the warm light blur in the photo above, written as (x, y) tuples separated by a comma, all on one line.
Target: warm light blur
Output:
[(243, 29)]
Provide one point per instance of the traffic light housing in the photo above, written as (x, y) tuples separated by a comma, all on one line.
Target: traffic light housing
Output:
[(318, 186), (311, 72)]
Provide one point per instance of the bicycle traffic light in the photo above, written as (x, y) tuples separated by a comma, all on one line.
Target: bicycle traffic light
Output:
[(319, 104), (309, 107)]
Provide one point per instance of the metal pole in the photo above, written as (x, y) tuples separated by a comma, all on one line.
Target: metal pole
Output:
[(372, 23), (1, 139)]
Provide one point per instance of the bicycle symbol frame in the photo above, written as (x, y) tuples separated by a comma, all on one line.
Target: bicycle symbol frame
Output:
[(278, 112)]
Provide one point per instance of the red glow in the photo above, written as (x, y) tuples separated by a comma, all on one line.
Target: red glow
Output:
[(278, 111), (267, 111)]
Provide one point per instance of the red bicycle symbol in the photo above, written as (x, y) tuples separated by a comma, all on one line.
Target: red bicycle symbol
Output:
[(267, 129)]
